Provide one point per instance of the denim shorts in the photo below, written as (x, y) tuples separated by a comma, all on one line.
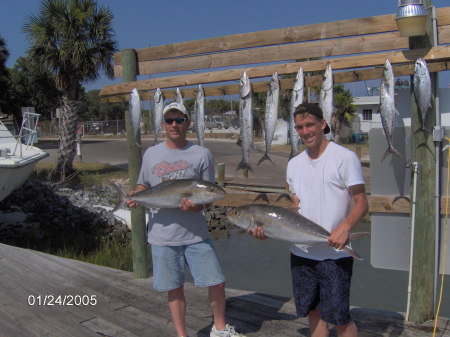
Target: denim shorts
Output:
[(323, 286), (169, 264)]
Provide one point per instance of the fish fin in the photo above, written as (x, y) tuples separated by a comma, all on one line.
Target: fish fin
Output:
[(262, 196), (392, 150), (357, 235), (244, 166), (265, 157), (285, 196), (122, 197), (304, 248), (351, 252)]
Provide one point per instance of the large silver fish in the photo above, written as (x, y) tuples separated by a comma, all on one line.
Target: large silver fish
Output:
[(387, 107), (245, 121), (157, 117), (200, 116), (284, 224), (296, 100), (422, 90), (271, 115), (135, 112), (326, 99), (169, 194)]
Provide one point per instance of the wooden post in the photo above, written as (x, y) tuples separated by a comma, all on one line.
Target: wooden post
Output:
[(423, 152), (221, 174), (138, 227)]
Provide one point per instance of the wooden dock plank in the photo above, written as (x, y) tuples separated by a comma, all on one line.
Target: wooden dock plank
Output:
[(131, 307)]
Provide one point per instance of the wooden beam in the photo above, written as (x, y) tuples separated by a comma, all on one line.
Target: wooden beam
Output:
[(368, 25), (341, 63), (285, 52), (444, 34), (288, 83), (443, 16)]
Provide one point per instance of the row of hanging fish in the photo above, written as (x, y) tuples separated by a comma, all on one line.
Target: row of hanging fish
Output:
[(388, 111)]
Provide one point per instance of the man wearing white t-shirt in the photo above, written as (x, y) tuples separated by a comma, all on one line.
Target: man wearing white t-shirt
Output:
[(327, 186)]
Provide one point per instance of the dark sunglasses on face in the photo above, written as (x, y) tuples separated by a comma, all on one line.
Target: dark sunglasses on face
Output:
[(169, 121)]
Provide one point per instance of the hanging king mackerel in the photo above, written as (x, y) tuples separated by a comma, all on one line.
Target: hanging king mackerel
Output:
[(284, 224), (200, 116), (179, 96), (271, 115), (245, 122), (326, 98), (135, 114), (422, 90), (157, 116), (387, 108), (296, 100)]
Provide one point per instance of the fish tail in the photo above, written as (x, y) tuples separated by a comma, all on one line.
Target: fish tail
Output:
[(392, 150), (265, 157), (351, 252), (122, 197), (244, 166)]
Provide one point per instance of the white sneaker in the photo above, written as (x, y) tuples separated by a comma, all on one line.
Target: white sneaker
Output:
[(227, 332)]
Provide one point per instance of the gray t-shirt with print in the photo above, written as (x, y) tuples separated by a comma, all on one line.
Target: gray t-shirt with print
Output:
[(172, 226)]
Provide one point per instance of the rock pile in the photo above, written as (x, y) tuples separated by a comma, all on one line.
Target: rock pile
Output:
[(42, 216)]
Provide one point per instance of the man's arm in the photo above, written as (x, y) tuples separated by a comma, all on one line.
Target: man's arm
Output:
[(339, 236)]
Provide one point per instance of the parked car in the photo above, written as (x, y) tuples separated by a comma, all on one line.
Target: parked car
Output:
[(114, 127), (216, 123)]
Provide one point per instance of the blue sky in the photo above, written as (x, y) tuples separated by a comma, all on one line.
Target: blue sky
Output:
[(140, 23)]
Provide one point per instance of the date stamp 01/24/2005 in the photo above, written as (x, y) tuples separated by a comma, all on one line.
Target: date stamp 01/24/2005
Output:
[(62, 300)]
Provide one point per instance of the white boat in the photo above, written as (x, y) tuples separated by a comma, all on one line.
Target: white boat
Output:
[(17, 155)]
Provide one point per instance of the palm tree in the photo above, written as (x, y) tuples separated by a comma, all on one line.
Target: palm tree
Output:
[(74, 40), (344, 108), (4, 77)]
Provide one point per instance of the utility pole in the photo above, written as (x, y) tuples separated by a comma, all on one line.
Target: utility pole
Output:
[(138, 228), (424, 153)]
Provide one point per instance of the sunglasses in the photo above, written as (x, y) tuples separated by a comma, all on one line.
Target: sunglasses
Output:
[(169, 121)]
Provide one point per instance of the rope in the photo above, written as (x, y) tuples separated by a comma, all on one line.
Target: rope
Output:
[(444, 252)]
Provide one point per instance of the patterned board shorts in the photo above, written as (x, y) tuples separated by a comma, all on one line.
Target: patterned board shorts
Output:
[(323, 286)]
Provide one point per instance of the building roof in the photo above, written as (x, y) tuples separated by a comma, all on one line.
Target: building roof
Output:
[(366, 100)]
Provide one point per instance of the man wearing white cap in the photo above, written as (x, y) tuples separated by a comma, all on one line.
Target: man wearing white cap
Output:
[(179, 236)]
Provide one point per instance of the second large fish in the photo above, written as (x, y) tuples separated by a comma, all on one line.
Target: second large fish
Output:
[(284, 224), (387, 108), (169, 194), (271, 115)]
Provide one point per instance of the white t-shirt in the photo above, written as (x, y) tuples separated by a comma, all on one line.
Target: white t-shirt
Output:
[(172, 226), (322, 188)]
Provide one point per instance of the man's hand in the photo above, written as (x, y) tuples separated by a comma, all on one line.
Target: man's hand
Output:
[(339, 236), (188, 205), (257, 232), (132, 203)]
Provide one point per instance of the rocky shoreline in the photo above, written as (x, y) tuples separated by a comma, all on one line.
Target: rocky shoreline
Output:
[(46, 217)]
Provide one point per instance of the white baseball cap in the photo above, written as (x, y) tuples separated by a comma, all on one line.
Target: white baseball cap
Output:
[(176, 106)]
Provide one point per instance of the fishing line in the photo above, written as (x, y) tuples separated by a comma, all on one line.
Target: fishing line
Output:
[(445, 242)]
